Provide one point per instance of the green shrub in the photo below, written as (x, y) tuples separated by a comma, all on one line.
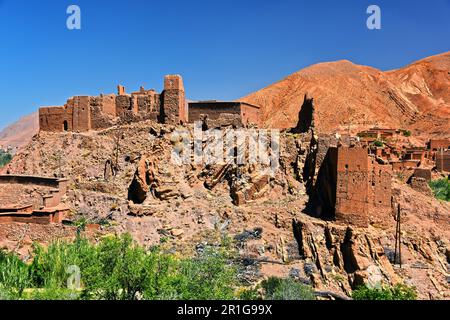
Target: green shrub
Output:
[(378, 143), (397, 292), (208, 276), (5, 158), (117, 268), (441, 189), (286, 289), (14, 275)]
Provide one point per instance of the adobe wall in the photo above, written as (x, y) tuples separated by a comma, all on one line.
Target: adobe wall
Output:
[(173, 100), (43, 217), (33, 180), (16, 195), (436, 144), (352, 188), (145, 102), (380, 191), (352, 192), (81, 113), (422, 173), (103, 111), (404, 164), (123, 104), (107, 104), (214, 110), (20, 218), (223, 113), (53, 118), (31, 190), (443, 161), (250, 114)]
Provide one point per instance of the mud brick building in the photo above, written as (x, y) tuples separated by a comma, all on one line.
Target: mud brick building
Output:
[(216, 114), (32, 199), (443, 161), (85, 113), (352, 187), (374, 134), (438, 144)]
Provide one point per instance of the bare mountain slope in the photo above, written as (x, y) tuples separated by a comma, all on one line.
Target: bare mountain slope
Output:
[(352, 96), (19, 134)]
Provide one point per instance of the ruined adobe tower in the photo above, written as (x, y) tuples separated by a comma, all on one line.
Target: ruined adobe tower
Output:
[(173, 100)]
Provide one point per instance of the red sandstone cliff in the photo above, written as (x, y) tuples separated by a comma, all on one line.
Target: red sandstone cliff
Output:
[(415, 97)]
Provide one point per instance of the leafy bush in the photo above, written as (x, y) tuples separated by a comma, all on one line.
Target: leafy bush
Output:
[(406, 133), (397, 292), (441, 189), (118, 269), (208, 276), (378, 143), (14, 275), (5, 158), (286, 289)]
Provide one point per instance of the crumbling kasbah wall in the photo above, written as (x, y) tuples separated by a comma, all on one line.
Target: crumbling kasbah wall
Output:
[(352, 187), (173, 99), (443, 161), (216, 114), (380, 191), (84, 113)]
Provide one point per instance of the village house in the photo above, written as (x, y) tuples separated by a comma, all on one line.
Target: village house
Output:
[(32, 199)]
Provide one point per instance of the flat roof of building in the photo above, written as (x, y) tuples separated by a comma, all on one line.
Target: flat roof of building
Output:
[(218, 102)]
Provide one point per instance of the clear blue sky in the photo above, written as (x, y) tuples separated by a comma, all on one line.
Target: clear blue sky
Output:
[(224, 49)]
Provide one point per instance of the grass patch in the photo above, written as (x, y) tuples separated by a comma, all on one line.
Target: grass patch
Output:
[(441, 189)]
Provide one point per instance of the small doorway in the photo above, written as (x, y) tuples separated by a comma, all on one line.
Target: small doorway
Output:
[(65, 125)]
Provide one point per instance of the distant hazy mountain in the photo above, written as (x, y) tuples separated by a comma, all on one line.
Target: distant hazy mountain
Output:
[(20, 132)]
